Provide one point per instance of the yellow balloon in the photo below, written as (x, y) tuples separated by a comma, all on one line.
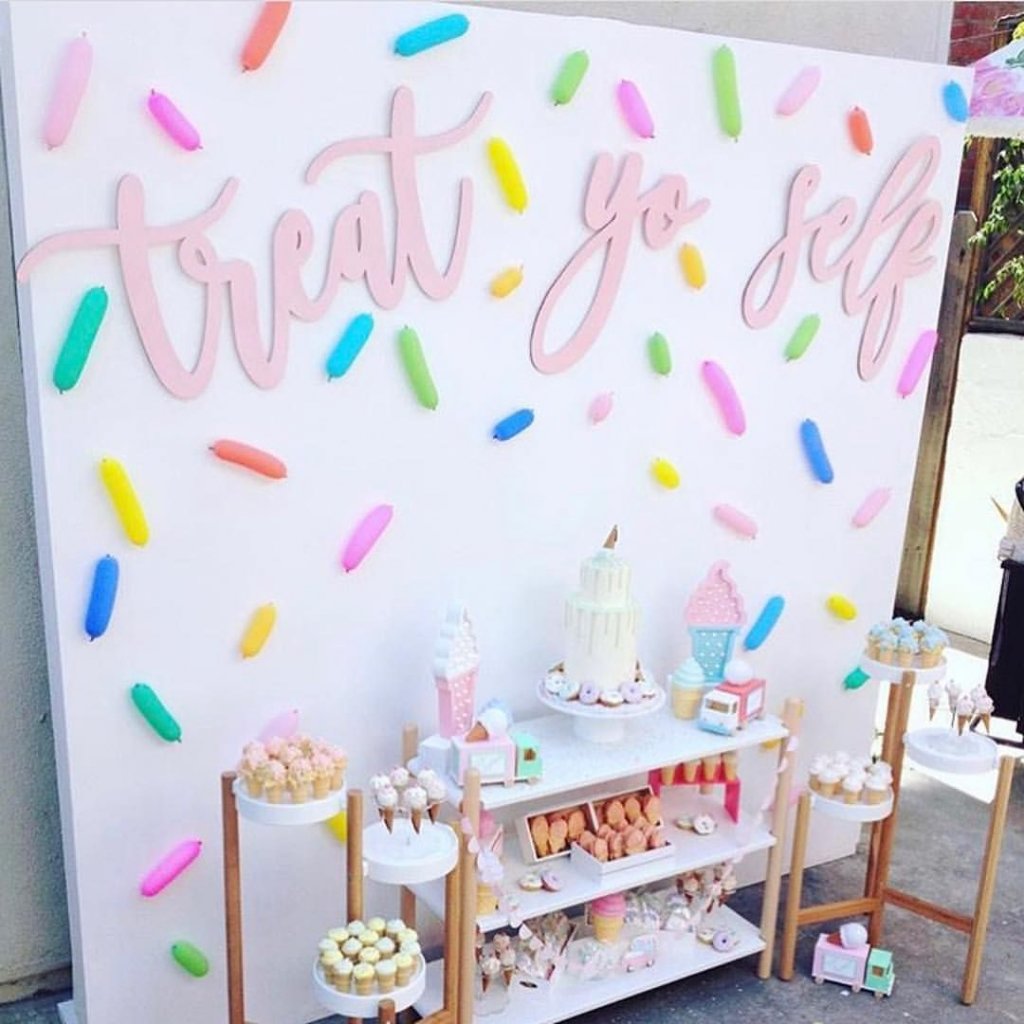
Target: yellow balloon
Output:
[(507, 282), (339, 826), (665, 473), (692, 264), (125, 501), (841, 607), (507, 172), (256, 633)]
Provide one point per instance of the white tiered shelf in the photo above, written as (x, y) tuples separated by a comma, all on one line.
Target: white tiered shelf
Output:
[(852, 812), (943, 750), (309, 812), (569, 997), (573, 764), (894, 673), (728, 841), (350, 1004)]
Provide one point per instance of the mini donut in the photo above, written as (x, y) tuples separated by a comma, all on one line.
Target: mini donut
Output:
[(550, 881), (652, 809), (590, 693), (531, 882), (557, 835), (632, 808), (611, 698), (569, 690), (616, 846), (614, 812), (600, 850), (577, 824), (632, 693)]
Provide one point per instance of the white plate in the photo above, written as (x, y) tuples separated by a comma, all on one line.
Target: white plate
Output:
[(851, 812), (348, 1004), (894, 673), (402, 857), (598, 723), (943, 750), (287, 813)]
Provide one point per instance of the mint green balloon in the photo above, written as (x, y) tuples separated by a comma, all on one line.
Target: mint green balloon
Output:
[(78, 341), (856, 679), (152, 709)]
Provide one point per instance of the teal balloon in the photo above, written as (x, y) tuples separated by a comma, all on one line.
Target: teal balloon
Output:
[(856, 679)]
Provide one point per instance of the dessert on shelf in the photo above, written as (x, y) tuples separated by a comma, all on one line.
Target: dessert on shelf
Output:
[(296, 770), (850, 780), (905, 644), (714, 616), (600, 668), (369, 957), (688, 686), (403, 794)]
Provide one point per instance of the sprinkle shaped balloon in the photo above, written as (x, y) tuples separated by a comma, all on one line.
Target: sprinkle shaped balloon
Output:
[(665, 474), (68, 90), (513, 424), (955, 102), (256, 634), (506, 170), (659, 354), (256, 460), (841, 607), (175, 124), (78, 341), (855, 679), (725, 396), (802, 337), (871, 506), (569, 77), (859, 127), (349, 345), (692, 265), (764, 623), (152, 709), (416, 370), (264, 33), (814, 452), (601, 407), (365, 536), (799, 91), (505, 283), (102, 597), (431, 34), (737, 521), (727, 92), (190, 958), (634, 109), (170, 867), (125, 501), (917, 361)]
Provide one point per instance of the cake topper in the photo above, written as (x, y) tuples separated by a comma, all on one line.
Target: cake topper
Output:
[(612, 539)]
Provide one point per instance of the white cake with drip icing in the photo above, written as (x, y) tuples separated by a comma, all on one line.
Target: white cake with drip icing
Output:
[(601, 621)]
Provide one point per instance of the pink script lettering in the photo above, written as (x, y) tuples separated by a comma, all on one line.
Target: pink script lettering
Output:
[(357, 250), (611, 209), (901, 210)]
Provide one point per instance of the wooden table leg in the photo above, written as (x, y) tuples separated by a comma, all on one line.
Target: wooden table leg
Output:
[(791, 717), (386, 1011), (354, 865), (787, 956), (891, 715), (452, 939), (888, 830), (232, 899), (407, 899), (987, 881), (468, 880)]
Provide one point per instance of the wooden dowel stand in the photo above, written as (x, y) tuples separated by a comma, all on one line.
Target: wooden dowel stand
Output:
[(232, 899), (354, 865), (791, 717), (407, 899), (465, 950), (787, 955)]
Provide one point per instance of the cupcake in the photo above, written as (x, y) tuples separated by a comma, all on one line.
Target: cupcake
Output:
[(887, 649), (275, 780), (341, 975), (300, 779), (363, 975), (687, 685), (411, 948), (606, 915), (404, 967), (323, 772), (386, 947), (386, 973), (933, 644), (876, 789), (352, 948), (906, 651), (377, 924), (818, 765), (828, 780), (369, 955), (853, 786)]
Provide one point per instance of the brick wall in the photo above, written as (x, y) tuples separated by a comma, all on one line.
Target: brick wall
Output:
[(971, 38)]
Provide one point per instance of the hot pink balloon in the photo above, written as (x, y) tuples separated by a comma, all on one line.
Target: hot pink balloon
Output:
[(600, 407), (800, 90), (634, 109), (284, 725), (68, 91), (871, 506), (736, 520), (916, 362), (725, 396), (173, 121), (365, 535), (172, 865)]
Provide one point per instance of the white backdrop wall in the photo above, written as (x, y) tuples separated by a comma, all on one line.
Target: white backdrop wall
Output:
[(337, 634)]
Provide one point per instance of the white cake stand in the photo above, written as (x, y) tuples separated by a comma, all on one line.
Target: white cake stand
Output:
[(894, 673), (597, 723)]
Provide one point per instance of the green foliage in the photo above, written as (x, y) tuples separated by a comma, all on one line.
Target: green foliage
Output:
[(1005, 219)]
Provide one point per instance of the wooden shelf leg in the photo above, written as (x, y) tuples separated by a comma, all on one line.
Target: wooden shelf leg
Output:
[(232, 899), (452, 933), (987, 881), (386, 1012), (888, 829), (892, 710), (354, 865), (468, 881), (787, 955), (791, 717), (407, 899)]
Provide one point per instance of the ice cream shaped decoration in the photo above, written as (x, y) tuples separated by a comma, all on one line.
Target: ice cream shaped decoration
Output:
[(456, 666), (714, 616)]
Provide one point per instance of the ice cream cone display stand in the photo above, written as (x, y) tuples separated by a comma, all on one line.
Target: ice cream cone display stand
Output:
[(394, 362), (946, 748)]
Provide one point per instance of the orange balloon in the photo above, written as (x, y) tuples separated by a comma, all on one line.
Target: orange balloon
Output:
[(264, 33), (860, 131)]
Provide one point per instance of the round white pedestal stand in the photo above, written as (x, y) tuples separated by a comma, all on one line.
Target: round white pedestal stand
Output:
[(405, 857), (943, 750), (596, 723)]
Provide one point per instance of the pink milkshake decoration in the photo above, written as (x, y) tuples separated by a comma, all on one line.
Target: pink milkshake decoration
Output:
[(714, 615), (456, 666)]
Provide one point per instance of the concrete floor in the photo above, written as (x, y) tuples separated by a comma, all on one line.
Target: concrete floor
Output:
[(938, 850)]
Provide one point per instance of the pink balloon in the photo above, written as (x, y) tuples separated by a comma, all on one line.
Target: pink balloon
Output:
[(916, 362), (173, 121), (68, 91), (600, 407), (725, 396), (172, 865), (871, 506), (365, 535), (735, 520), (284, 725), (634, 109), (799, 91)]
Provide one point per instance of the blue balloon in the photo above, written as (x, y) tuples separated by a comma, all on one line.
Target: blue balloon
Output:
[(431, 33), (349, 345), (764, 623), (956, 102), (101, 600), (512, 425), (814, 449)]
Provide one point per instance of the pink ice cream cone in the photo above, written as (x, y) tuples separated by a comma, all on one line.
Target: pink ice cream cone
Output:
[(456, 667), (714, 615)]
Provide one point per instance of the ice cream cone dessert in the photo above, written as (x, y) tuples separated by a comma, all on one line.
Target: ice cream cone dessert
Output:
[(690, 769), (486, 901), (730, 765), (876, 790), (386, 974), (687, 686), (711, 767), (323, 771), (364, 976), (607, 915), (300, 778), (668, 774), (404, 966), (964, 712)]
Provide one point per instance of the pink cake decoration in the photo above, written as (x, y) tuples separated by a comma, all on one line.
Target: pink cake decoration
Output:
[(716, 601)]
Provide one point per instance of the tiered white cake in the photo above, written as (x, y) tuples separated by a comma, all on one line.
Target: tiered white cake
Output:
[(601, 622)]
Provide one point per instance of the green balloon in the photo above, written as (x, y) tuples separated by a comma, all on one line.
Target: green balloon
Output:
[(192, 958), (574, 67), (659, 354), (803, 336), (416, 369), (856, 679), (727, 93), (78, 341), (163, 723)]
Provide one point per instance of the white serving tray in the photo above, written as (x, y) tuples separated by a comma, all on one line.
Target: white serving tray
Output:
[(943, 750), (348, 1004), (851, 812), (595, 869), (894, 673), (286, 812), (403, 857)]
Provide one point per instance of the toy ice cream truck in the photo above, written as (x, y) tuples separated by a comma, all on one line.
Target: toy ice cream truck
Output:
[(846, 957), (730, 705)]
